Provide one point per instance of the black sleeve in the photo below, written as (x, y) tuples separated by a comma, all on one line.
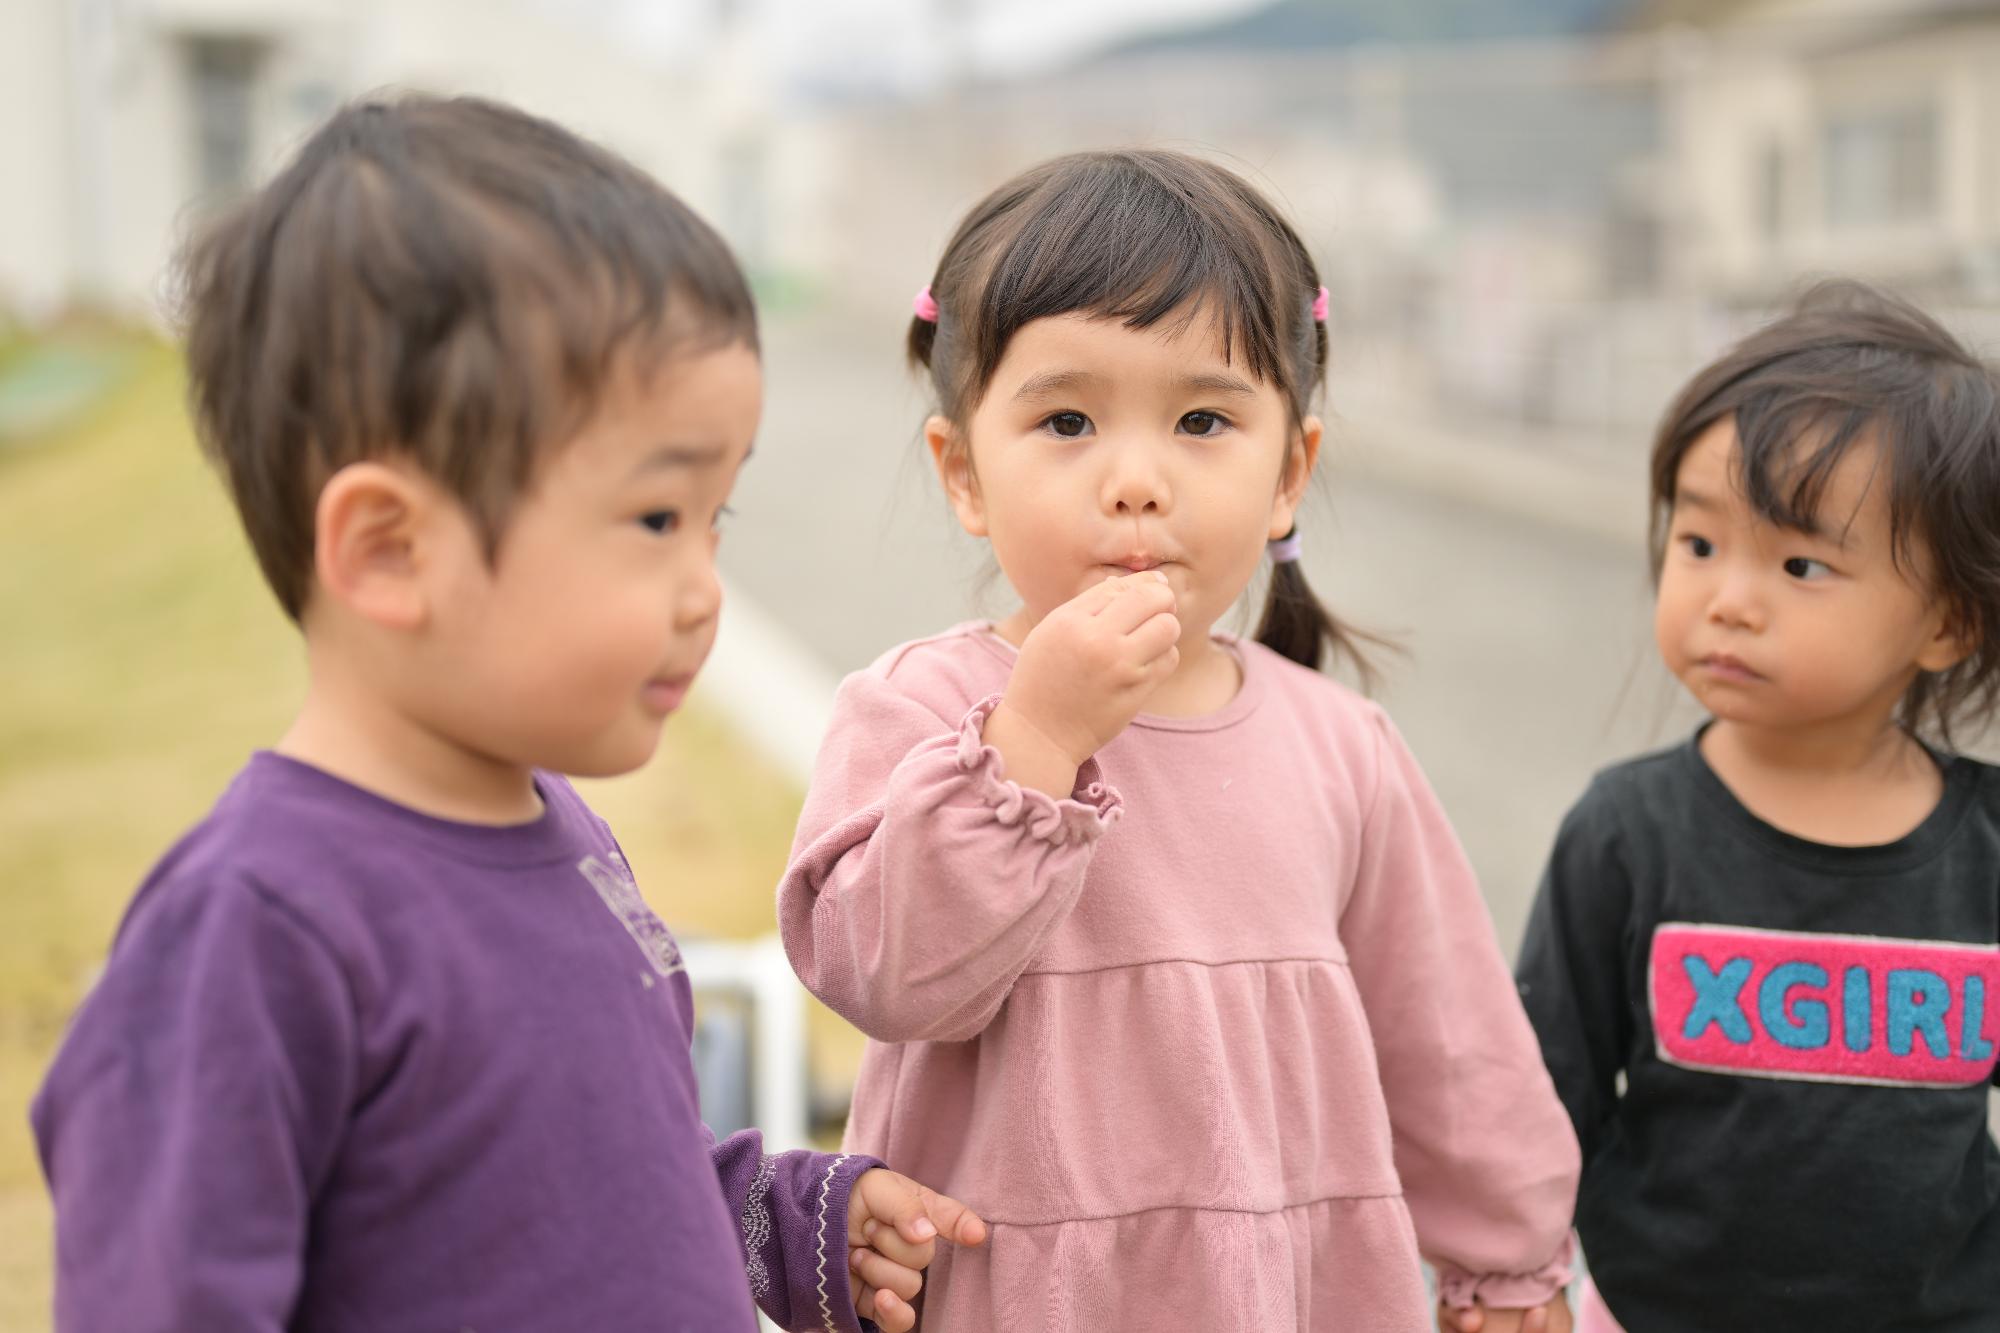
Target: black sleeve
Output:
[(1572, 973)]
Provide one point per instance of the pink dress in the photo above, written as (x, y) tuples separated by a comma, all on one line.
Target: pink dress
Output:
[(1222, 1041)]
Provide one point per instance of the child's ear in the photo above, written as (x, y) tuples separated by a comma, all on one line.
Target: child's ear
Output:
[(371, 533), (1948, 644), (952, 456), (1300, 460)]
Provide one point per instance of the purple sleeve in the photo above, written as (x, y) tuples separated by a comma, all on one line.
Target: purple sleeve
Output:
[(792, 1211), (193, 1110)]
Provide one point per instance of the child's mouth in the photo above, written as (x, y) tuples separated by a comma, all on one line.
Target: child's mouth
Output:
[(663, 695), (1729, 668)]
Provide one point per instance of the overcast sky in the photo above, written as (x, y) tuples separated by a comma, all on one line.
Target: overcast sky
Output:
[(912, 42)]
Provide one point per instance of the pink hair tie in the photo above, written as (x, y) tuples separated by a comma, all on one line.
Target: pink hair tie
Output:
[(1319, 305), (925, 305), (1286, 549)]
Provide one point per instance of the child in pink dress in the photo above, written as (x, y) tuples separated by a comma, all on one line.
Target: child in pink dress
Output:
[(1173, 966)]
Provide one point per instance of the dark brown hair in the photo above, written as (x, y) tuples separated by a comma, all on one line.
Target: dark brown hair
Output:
[(449, 281), (1849, 365), (1139, 236)]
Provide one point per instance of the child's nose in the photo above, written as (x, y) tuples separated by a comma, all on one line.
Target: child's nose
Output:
[(1738, 601), (1136, 484), (698, 600)]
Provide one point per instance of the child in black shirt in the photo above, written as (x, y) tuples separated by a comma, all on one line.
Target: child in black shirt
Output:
[(1784, 934)]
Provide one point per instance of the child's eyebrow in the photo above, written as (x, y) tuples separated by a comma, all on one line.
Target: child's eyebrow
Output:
[(1215, 382), (681, 455), (1051, 382)]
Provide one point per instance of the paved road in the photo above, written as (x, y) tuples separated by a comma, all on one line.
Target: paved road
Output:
[(1529, 664)]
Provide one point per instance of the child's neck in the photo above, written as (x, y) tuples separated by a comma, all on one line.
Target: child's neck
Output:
[(1204, 681), (361, 737), (1857, 782)]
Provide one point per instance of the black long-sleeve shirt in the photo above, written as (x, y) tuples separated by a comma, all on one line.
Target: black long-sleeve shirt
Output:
[(1805, 1035)]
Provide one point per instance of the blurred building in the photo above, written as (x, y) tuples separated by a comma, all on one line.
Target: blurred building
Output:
[(126, 118), (1539, 229), (1475, 206), (1859, 136)]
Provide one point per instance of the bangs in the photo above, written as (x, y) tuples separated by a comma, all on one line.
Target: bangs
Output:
[(1143, 256), (1144, 240), (1788, 451)]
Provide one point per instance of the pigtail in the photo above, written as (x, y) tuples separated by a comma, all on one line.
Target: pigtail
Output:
[(1295, 624), (922, 338)]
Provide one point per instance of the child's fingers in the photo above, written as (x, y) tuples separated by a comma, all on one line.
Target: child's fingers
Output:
[(1139, 603), (885, 1274), (1536, 1321), (1093, 600), (1157, 637), (920, 1215), (893, 1313), (1469, 1320), (883, 1307), (891, 1244), (952, 1219)]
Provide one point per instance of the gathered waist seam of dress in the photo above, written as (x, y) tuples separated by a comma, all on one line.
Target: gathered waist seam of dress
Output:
[(1191, 962), (1193, 1208)]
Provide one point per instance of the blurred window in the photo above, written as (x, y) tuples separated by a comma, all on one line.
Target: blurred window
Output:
[(222, 82), (1771, 192), (1882, 167)]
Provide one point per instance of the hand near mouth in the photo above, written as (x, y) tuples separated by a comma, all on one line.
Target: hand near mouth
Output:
[(1083, 675)]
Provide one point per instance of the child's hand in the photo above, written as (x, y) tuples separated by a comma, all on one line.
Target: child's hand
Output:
[(893, 1225), (1551, 1318), (1083, 673)]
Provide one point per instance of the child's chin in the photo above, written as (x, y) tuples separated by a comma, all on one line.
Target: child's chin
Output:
[(612, 758)]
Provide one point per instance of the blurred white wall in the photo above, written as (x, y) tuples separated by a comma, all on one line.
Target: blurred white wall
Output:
[(36, 218), (125, 117)]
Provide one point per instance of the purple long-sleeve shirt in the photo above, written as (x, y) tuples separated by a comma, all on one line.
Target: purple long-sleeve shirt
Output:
[(351, 1067)]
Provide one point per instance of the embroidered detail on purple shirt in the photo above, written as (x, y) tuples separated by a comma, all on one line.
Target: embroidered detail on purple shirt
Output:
[(620, 892), (757, 1227), (826, 1301)]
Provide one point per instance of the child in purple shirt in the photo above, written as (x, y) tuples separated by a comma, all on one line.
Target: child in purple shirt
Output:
[(390, 1040)]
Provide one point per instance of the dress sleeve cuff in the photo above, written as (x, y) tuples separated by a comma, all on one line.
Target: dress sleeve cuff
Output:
[(1081, 817), (1507, 1291)]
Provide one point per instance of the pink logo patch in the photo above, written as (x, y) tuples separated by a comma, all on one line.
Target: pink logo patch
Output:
[(1832, 1008)]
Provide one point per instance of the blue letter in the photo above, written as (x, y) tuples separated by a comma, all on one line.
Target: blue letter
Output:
[(1973, 1044), (1916, 1004), (1855, 1018), (1715, 999), (1809, 1032)]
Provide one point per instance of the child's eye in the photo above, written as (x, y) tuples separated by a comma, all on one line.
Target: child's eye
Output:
[(661, 521), (1069, 425), (1701, 548), (721, 515), (1204, 423), (1807, 570)]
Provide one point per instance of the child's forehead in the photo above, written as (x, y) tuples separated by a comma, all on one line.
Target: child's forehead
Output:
[(691, 409), (1191, 343), (1799, 482)]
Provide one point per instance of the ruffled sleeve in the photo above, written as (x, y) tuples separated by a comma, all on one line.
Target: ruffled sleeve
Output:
[(924, 880)]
